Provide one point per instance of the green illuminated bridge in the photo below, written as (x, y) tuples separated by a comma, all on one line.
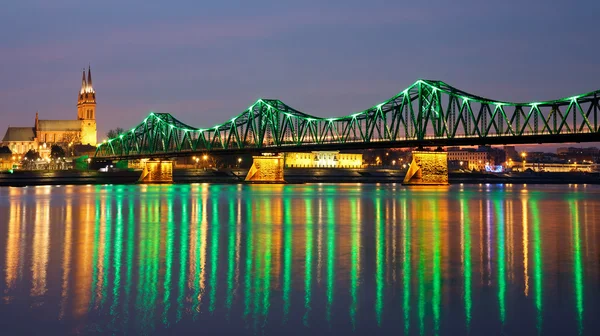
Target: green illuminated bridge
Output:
[(428, 113)]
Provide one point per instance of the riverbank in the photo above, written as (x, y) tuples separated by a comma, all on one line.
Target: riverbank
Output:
[(292, 175)]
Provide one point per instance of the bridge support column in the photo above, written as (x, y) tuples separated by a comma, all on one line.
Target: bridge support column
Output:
[(427, 168), (267, 168), (157, 172)]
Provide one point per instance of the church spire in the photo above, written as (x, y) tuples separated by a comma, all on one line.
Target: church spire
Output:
[(83, 83), (89, 80)]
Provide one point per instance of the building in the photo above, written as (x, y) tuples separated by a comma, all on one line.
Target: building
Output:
[(45, 133), (7, 161), (555, 167), (323, 159), (511, 152), (590, 154), (469, 159)]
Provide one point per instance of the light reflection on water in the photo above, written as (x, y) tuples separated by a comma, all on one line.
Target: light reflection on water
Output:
[(299, 258)]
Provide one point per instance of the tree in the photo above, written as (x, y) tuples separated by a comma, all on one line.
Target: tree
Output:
[(56, 152), (32, 155), (113, 133), (5, 150)]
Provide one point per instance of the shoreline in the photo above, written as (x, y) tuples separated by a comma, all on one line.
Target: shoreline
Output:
[(292, 176)]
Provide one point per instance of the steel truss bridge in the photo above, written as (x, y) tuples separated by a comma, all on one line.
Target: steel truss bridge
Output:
[(427, 113)]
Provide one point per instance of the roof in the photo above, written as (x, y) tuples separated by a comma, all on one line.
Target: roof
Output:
[(59, 125), (19, 134)]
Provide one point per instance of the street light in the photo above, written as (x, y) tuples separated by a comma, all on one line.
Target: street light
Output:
[(239, 162)]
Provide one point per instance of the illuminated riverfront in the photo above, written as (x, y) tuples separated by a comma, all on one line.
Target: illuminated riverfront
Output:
[(272, 258)]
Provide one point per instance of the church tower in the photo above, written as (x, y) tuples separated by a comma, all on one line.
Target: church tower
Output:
[(86, 110)]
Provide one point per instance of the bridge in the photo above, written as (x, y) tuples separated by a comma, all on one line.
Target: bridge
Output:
[(427, 113)]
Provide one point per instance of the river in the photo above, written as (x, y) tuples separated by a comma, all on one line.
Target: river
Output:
[(300, 259)]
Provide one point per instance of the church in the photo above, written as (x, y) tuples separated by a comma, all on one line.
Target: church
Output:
[(45, 133)]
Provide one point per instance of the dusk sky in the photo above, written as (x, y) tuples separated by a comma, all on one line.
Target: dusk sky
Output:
[(205, 62)]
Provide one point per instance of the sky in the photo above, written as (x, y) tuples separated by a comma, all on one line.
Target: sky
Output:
[(206, 61)]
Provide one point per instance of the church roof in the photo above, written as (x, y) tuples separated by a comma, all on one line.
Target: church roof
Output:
[(19, 134), (59, 125)]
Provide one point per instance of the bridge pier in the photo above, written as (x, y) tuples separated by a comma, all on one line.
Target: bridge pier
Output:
[(267, 168), (427, 168), (155, 171)]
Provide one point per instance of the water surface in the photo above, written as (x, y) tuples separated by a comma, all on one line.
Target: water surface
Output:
[(300, 259)]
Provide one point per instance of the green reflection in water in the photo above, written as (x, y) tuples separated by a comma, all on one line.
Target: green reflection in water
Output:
[(168, 258), (199, 262), (308, 261), (107, 248), (406, 258), (577, 265), (117, 257), (467, 267), (421, 282), (249, 264), (183, 253), (537, 258), (355, 260), (379, 259), (142, 258), (149, 264), (499, 207), (230, 256), (130, 245), (330, 255), (287, 257), (214, 249), (436, 300), (267, 271)]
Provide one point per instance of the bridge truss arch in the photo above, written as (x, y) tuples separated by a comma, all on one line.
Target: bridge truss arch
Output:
[(426, 113)]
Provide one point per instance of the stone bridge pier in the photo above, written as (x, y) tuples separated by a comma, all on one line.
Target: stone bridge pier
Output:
[(156, 171), (427, 168), (267, 168)]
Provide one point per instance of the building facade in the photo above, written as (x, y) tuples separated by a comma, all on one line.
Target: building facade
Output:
[(323, 159), (468, 159), (45, 133)]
